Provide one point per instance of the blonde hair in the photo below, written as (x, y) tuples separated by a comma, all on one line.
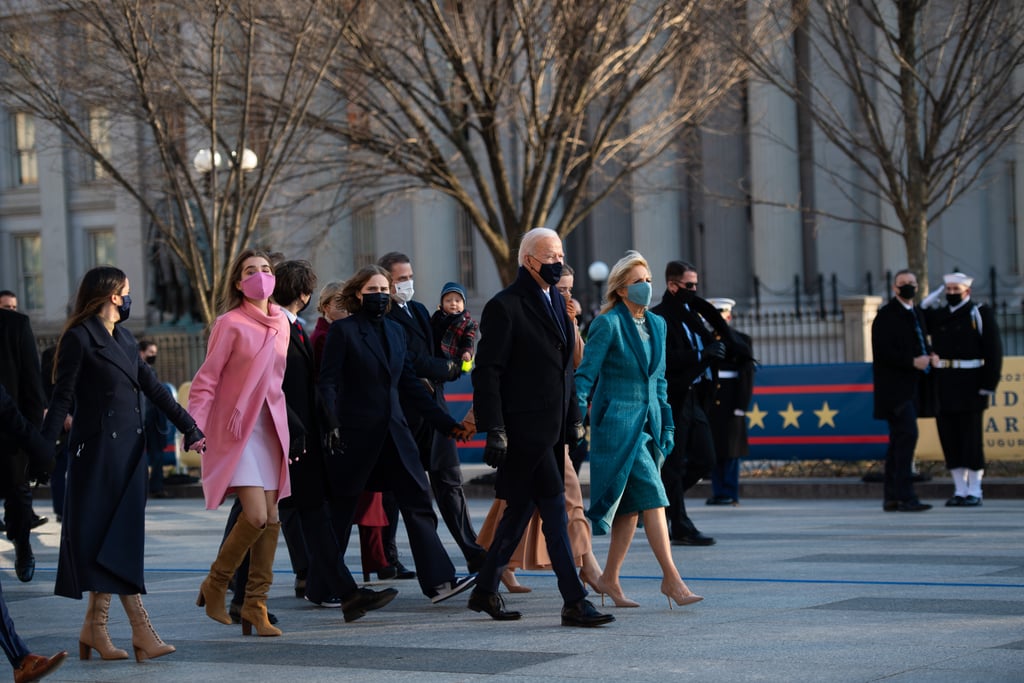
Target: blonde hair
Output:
[(329, 291), (617, 278)]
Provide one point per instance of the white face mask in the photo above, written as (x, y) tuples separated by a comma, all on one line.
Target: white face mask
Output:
[(404, 291)]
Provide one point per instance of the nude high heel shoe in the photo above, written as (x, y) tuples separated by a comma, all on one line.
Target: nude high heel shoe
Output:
[(679, 593), (612, 591), (512, 585)]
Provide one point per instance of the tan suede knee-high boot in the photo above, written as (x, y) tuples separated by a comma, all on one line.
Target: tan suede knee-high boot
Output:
[(94, 635), (145, 641), (213, 592), (261, 575)]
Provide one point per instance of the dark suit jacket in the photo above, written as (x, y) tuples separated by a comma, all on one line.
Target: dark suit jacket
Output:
[(363, 383), (524, 381), (103, 533), (20, 374), (15, 427), (306, 415), (894, 345), (683, 362), (436, 451)]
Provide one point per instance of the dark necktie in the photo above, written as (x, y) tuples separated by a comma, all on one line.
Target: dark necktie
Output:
[(302, 332), (553, 309), (920, 337)]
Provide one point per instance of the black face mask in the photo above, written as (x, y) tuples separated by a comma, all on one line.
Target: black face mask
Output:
[(375, 304), (954, 299), (684, 295), (125, 309), (151, 360), (907, 292), (306, 305), (550, 273)]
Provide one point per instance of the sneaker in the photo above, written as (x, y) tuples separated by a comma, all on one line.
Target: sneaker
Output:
[(326, 602), (451, 589)]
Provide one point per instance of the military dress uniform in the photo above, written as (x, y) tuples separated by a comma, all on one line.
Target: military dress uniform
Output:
[(966, 339)]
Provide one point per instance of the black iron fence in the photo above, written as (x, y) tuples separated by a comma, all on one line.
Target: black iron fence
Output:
[(789, 338)]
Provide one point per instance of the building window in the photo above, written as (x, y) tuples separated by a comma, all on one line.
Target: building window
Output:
[(364, 229), (27, 168), (465, 253), (99, 135), (29, 265), (101, 248)]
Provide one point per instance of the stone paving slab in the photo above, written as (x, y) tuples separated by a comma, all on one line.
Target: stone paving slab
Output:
[(803, 590)]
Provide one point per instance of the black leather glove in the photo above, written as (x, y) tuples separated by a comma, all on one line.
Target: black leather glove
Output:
[(41, 459), (332, 441), (715, 350), (195, 440), (454, 371), (577, 432), (496, 448)]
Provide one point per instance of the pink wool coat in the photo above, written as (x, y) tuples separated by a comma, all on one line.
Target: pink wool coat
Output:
[(244, 368)]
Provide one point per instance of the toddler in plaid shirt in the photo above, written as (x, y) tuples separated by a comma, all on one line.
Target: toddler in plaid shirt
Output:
[(454, 329)]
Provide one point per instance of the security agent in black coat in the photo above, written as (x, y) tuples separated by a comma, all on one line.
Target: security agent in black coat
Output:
[(15, 427), (19, 372), (365, 370), (524, 397), (966, 340), (901, 359), (690, 349), (438, 453)]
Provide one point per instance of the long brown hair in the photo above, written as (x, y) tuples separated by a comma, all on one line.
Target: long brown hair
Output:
[(232, 297), (97, 285), (349, 293)]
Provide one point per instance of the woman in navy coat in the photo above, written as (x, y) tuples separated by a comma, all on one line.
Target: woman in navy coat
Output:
[(97, 366), (631, 427), (365, 372)]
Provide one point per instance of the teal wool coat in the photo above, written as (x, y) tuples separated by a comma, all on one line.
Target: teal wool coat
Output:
[(631, 425)]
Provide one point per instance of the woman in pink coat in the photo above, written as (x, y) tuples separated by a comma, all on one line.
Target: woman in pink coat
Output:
[(237, 399)]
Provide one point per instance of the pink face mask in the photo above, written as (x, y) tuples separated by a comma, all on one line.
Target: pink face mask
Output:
[(258, 286)]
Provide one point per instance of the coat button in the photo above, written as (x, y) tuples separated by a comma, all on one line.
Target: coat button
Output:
[(113, 435), (138, 431), (110, 413), (136, 409)]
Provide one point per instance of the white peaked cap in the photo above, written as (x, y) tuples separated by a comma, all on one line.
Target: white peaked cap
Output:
[(723, 305), (957, 279)]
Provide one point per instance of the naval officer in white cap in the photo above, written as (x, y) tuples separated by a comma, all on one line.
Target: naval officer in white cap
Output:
[(969, 353)]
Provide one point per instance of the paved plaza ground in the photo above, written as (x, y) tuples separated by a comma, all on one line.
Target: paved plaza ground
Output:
[(796, 590)]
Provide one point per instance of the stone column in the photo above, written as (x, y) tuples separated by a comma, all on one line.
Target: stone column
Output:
[(858, 314)]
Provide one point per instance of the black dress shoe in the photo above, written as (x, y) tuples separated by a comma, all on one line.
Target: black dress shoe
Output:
[(235, 612), (24, 561), (912, 506), (721, 500), (395, 571), (890, 505), (696, 538), (955, 502), (366, 600), (972, 501), (38, 521), (583, 613), (492, 604)]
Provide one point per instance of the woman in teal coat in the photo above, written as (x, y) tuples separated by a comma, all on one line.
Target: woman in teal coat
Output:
[(631, 428)]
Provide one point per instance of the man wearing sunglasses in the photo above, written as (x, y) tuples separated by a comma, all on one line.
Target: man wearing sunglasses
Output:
[(690, 350)]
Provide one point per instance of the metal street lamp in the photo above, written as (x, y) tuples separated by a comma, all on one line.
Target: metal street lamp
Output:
[(598, 273)]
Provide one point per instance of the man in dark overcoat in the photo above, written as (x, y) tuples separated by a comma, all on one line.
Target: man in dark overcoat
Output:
[(690, 349), (19, 372), (901, 358), (524, 397), (965, 338), (438, 453)]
